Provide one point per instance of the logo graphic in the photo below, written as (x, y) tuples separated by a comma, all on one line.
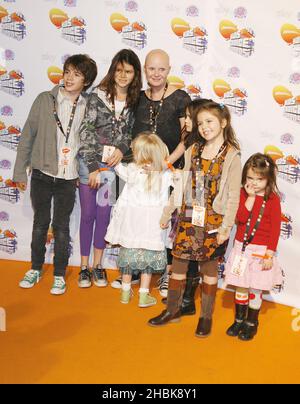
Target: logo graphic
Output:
[(131, 6), (295, 78), (12, 25), (287, 138), (9, 137), (194, 90), (187, 69), (192, 11), (290, 104), (72, 29), (8, 55), (235, 100), (291, 35), (288, 166), (70, 3), (9, 191), (240, 40), (194, 39), (12, 82), (8, 241), (286, 229), (134, 35), (6, 110), (55, 74), (5, 165), (240, 12), (4, 216), (234, 72)]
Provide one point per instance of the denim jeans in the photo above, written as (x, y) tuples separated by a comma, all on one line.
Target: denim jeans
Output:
[(44, 188)]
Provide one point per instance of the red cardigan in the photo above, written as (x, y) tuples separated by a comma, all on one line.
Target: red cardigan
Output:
[(268, 231)]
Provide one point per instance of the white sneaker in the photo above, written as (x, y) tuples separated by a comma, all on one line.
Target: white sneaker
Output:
[(31, 277), (163, 284), (59, 286)]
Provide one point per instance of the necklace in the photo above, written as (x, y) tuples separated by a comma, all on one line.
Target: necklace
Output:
[(154, 112)]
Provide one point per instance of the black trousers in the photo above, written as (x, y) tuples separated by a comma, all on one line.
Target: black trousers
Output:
[(44, 189)]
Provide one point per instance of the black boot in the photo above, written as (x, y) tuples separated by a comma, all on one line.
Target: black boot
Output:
[(249, 328), (172, 314), (188, 307), (208, 297), (240, 316)]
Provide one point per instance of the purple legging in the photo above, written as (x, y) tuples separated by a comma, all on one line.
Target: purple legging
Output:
[(92, 213)]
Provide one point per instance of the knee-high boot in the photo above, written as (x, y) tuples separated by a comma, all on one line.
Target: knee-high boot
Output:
[(208, 297), (188, 307), (174, 300)]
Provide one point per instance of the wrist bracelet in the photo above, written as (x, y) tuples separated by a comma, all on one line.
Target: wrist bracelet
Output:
[(170, 166)]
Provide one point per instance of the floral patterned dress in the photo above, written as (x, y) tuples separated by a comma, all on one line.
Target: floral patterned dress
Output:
[(197, 243)]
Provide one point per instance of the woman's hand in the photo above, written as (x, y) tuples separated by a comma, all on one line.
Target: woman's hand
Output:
[(115, 158), (94, 181)]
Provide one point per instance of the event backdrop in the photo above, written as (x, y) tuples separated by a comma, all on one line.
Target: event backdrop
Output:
[(241, 53)]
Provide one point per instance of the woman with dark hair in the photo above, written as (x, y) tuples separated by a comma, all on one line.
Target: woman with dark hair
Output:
[(105, 136)]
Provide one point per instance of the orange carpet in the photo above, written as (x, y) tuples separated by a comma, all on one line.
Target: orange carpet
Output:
[(87, 336)]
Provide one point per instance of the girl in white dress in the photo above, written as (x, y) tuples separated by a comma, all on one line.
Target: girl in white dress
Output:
[(135, 220)]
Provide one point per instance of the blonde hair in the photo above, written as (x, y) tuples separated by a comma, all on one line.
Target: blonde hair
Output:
[(148, 148)]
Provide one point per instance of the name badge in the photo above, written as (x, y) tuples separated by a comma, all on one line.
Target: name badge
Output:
[(107, 152), (198, 217), (65, 156), (239, 265)]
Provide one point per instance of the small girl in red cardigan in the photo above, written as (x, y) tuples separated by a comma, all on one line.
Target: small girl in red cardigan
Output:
[(252, 266)]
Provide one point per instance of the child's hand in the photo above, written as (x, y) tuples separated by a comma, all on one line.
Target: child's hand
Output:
[(267, 264), (164, 225), (94, 180), (268, 261), (115, 158), (249, 188)]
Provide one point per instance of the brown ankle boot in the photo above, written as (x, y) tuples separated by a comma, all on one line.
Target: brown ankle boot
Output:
[(207, 307), (172, 313)]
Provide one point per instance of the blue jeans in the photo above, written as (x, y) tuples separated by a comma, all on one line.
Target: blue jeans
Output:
[(44, 188)]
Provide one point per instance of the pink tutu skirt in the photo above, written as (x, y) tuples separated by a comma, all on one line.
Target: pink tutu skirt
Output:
[(253, 276)]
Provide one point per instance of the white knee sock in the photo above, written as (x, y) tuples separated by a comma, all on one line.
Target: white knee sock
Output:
[(126, 286)]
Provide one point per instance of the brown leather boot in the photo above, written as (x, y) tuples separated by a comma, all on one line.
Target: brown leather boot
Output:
[(172, 313), (207, 307)]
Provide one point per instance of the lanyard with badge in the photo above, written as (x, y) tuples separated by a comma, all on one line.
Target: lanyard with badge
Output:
[(66, 150), (240, 261), (202, 183), (109, 149)]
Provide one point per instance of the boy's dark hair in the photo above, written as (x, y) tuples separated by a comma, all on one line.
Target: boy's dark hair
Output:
[(85, 65), (107, 84)]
